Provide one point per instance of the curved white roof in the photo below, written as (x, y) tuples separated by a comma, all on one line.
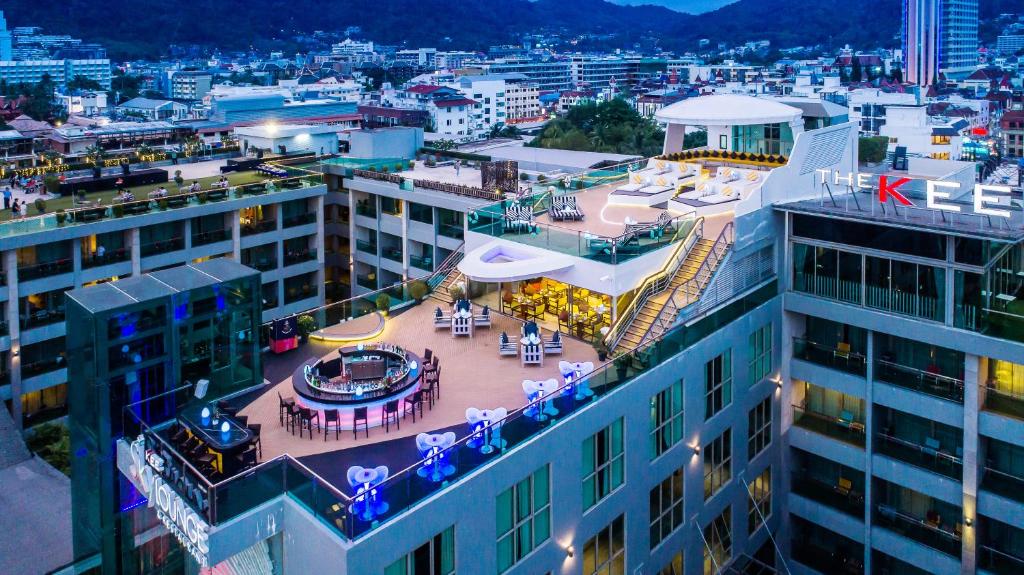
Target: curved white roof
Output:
[(502, 261), (727, 110)]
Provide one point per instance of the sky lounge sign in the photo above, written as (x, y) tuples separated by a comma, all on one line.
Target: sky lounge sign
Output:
[(938, 194), (173, 511)]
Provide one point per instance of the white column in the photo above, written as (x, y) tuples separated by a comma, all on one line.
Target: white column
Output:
[(970, 463), (134, 239), (14, 328), (236, 236), (320, 255)]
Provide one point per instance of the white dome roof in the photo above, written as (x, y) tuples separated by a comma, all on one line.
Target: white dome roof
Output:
[(728, 110)]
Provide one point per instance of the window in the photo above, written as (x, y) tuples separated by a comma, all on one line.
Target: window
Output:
[(435, 557), (723, 142), (717, 384), (603, 464), (760, 353), (666, 507), (524, 518), (717, 463), (666, 418), (760, 491), (605, 552), (759, 427), (717, 542)]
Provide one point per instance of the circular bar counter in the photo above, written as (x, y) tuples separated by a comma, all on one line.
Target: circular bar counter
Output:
[(358, 376)]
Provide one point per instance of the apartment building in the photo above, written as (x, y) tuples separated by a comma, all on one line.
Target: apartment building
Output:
[(60, 71), (548, 74), (275, 233)]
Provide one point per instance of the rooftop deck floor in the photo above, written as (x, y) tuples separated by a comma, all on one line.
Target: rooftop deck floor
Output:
[(472, 375)]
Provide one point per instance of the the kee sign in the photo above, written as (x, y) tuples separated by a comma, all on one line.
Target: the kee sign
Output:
[(172, 510), (938, 194)]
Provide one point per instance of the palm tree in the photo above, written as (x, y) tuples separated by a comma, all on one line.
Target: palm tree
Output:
[(95, 154)]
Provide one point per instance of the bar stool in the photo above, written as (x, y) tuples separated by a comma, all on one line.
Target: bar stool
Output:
[(360, 414), (242, 420), (255, 441), (331, 416), (389, 411), (284, 406), (306, 417), (412, 402), (427, 355)]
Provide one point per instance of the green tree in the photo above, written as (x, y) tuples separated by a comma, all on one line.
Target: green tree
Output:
[(123, 87), (82, 83), (872, 149), (612, 126), (40, 105), (697, 139)]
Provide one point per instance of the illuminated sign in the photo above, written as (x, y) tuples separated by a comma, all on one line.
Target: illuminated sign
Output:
[(938, 194), (173, 511)]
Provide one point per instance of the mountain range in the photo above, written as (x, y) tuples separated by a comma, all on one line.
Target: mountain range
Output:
[(684, 6), (135, 28)]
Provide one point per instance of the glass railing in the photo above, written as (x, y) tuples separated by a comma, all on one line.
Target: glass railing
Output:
[(260, 227), (298, 220), (392, 254), (297, 257), (1003, 484), (294, 294), (454, 231), (839, 561), (932, 534), (998, 561), (877, 297), (408, 486), (366, 247), (93, 213), (262, 264), (162, 246), (924, 381), (45, 269), (932, 458), (366, 282), (828, 356), (422, 263), (645, 237), (109, 257), (1003, 401), (847, 431), (41, 317), (209, 237), (830, 494), (33, 368), (365, 210)]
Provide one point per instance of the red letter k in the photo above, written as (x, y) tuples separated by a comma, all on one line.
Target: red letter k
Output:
[(885, 190)]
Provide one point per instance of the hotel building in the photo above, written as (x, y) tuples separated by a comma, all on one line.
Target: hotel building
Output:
[(787, 376), (939, 36)]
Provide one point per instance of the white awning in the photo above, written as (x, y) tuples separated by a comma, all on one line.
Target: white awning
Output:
[(503, 261)]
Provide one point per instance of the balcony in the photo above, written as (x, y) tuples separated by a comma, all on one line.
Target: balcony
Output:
[(1003, 402), (841, 561), (841, 358), (34, 368), (930, 456), (1003, 484), (299, 220), (263, 263), (422, 263), (367, 247), (393, 254), (840, 495), (929, 382), (253, 228), (299, 256), (297, 293), (929, 531), (45, 269), (997, 561), (162, 246), (844, 427), (109, 257), (210, 237), (41, 317), (451, 231), (366, 210)]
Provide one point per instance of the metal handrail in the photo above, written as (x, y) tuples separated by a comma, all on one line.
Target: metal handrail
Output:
[(445, 267), (655, 283), (694, 285), (920, 448), (887, 510), (955, 381)]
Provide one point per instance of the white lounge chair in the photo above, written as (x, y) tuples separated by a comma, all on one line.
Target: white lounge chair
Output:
[(553, 346), (483, 319), (441, 320), (507, 345)]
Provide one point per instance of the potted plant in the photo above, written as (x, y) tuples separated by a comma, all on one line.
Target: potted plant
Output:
[(61, 217), (178, 180), (418, 290), (118, 210), (398, 167), (602, 350), (306, 325), (40, 205), (621, 366), (457, 292), (162, 203), (52, 184), (203, 197), (524, 177), (383, 303)]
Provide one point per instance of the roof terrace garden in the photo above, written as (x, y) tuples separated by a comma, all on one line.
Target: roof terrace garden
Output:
[(66, 211), (354, 480)]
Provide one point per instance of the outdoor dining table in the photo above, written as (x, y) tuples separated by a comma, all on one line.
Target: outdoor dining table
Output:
[(432, 448), (535, 390), (222, 433)]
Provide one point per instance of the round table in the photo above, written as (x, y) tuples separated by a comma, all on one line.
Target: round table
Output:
[(538, 389), (432, 447)]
